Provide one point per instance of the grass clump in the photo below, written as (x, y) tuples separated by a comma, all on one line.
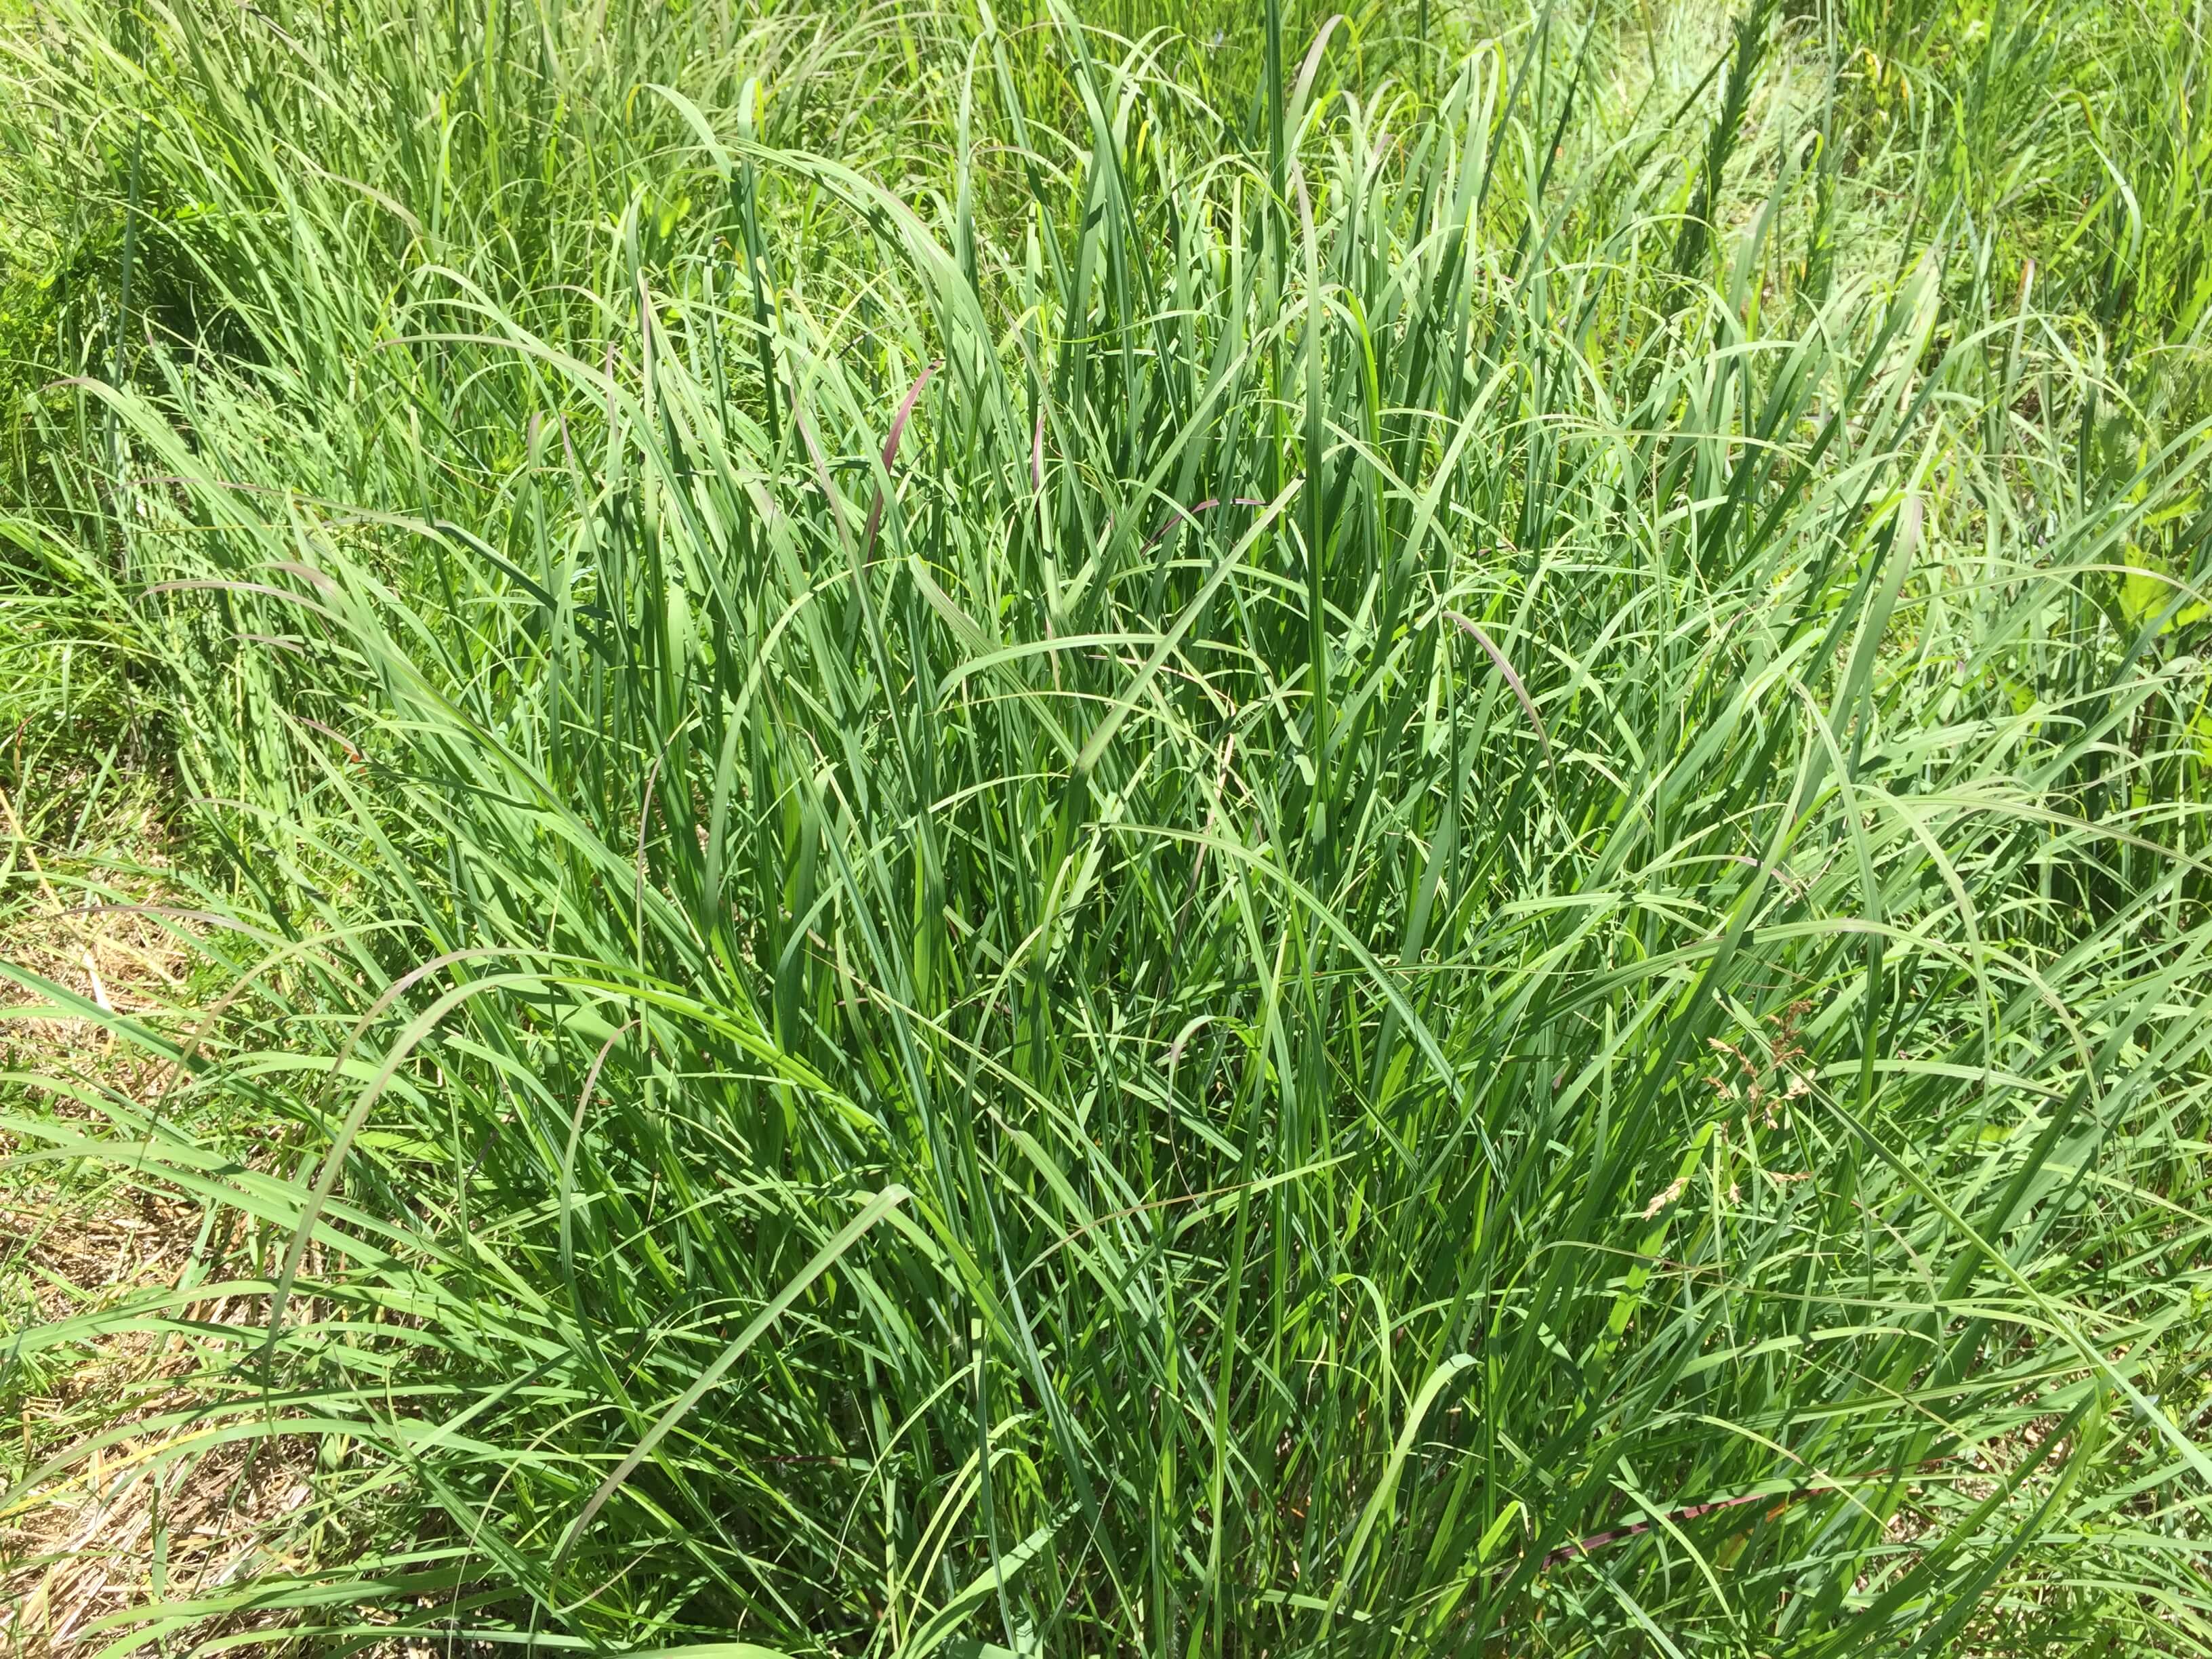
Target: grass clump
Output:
[(995, 851)]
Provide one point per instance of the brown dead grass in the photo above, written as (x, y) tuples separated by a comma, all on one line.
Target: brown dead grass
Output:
[(140, 1518), (143, 1519)]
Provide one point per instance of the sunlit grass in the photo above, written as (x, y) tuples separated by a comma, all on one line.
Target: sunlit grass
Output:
[(994, 850)]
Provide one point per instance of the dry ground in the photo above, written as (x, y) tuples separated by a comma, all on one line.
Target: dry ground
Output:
[(99, 1520)]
